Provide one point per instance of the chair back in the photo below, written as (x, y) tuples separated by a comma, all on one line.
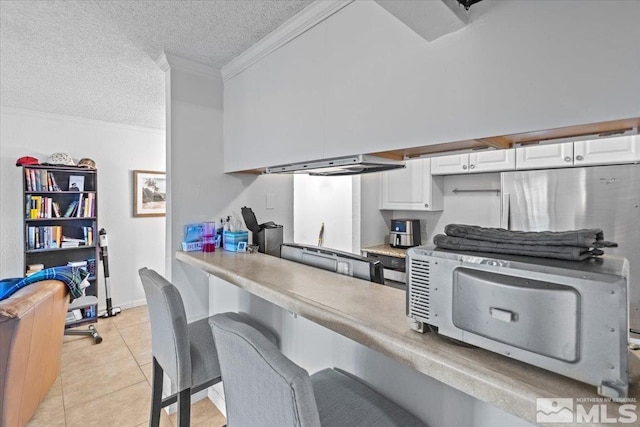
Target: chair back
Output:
[(262, 387), (169, 330)]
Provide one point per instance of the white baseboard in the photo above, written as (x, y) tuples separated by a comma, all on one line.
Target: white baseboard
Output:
[(216, 396), (126, 305)]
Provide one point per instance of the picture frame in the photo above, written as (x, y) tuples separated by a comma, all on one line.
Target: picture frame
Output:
[(76, 183), (149, 193)]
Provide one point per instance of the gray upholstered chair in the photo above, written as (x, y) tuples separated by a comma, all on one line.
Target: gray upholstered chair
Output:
[(185, 351), (264, 388)]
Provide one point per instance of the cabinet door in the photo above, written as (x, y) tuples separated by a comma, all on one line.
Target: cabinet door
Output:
[(544, 156), (372, 101), (449, 165), (412, 188), (273, 110), (492, 161), (625, 149)]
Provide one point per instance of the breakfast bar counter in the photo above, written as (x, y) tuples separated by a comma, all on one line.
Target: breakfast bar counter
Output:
[(374, 316)]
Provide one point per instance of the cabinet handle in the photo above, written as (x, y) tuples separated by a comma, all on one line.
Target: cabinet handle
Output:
[(426, 205), (464, 167), (567, 159), (472, 167), (579, 158)]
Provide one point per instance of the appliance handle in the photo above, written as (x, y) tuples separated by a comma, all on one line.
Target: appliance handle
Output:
[(504, 211)]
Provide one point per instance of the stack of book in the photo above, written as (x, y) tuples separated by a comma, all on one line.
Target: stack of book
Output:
[(40, 180), (46, 237), (34, 268), (84, 207), (41, 207)]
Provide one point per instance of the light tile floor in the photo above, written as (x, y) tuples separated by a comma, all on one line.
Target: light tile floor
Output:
[(110, 383)]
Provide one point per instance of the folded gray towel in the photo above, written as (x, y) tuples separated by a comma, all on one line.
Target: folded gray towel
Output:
[(571, 253), (585, 238)]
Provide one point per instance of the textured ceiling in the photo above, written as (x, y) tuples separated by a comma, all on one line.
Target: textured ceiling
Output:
[(96, 59)]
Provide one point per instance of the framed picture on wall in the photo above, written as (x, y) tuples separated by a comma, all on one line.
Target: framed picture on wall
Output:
[(149, 193)]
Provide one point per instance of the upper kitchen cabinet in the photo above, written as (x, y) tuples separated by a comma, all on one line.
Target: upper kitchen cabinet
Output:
[(273, 110), (624, 149), (411, 188), (478, 162), (371, 96), (545, 156)]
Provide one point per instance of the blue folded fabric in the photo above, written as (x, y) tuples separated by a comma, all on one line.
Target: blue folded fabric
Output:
[(70, 276)]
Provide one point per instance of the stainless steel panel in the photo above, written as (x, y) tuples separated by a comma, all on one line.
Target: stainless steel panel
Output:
[(606, 197), (600, 283), (334, 260), (538, 316)]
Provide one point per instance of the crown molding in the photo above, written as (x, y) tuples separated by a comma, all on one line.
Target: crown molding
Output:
[(167, 60), (308, 17)]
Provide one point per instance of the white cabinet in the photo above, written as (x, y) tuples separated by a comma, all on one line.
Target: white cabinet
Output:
[(545, 156), (478, 162), (624, 149), (273, 110), (372, 98), (412, 188)]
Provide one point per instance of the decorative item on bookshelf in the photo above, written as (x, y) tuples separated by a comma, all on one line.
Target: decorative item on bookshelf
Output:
[(76, 183)]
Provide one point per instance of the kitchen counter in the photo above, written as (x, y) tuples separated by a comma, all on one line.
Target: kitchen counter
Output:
[(386, 250), (374, 316)]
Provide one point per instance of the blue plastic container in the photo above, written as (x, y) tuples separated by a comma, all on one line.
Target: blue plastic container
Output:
[(232, 238)]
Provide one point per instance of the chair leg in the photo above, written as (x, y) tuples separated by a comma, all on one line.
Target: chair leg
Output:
[(184, 408), (156, 394)]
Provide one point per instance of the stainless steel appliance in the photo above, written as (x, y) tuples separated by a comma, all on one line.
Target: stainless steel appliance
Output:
[(394, 268), (565, 316), (334, 260), (405, 233), (349, 165), (606, 197)]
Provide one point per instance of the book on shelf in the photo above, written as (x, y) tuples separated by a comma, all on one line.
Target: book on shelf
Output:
[(70, 209), (56, 209), (79, 209), (53, 183), (77, 263), (27, 178), (43, 180)]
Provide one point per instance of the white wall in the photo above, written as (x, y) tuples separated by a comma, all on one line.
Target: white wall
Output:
[(117, 150), (330, 200), (481, 209), (198, 188)]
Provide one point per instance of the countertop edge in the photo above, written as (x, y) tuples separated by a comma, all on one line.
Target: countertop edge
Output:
[(510, 395)]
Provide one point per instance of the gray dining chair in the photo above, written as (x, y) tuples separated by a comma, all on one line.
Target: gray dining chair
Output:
[(186, 352), (264, 388)]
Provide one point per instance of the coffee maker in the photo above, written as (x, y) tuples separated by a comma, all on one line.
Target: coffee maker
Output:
[(405, 233)]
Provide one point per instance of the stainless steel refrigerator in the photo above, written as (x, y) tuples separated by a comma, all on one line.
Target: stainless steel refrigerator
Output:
[(606, 197)]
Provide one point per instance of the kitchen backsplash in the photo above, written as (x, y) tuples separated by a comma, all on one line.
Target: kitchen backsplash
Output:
[(468, 208)]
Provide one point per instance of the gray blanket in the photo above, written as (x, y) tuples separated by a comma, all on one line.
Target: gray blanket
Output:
[(572, 253), (585, 238)]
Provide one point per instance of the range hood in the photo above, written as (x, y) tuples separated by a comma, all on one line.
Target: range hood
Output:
[(349, 165)]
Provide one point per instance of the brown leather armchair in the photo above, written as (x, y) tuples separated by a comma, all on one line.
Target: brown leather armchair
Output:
[(31, 334)]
